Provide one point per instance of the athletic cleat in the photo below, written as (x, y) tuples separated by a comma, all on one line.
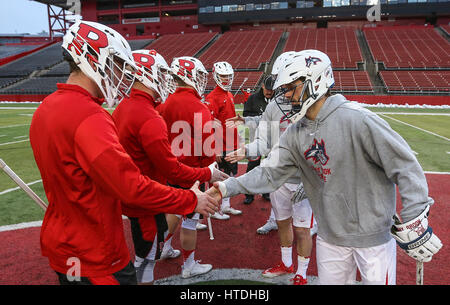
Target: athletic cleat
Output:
[(279, 269), (232, 211), (170, 253), (267, 227), (299, 280), (196, 269), (200, 226), (221, 217)]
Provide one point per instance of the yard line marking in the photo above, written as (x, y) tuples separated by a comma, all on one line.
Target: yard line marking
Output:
[(421, 129), (413, 113), (26, 225), (26, 114), (9, 126), (7, 143), (17, 188), (18, 137), (23, 225), (437, 173), (18, 108)]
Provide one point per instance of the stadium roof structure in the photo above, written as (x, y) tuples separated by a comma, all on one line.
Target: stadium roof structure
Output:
[(59, 3)]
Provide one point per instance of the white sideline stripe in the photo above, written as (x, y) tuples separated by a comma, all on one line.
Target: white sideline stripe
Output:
[(17, 125), (7, 143), (421, 129), (18, 137), (16, 188), (437, 173), (26, 225), (23, 225), (413, 113)]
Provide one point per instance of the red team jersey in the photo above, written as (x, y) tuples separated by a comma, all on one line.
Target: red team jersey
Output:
[(89, 179), (143, 134), (221, 105), (184, 112)]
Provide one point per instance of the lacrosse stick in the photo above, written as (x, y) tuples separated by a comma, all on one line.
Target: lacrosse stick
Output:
[(419, 265), (22, 185), (419, 273), (245, 79)]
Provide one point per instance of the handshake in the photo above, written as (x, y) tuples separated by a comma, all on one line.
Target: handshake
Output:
[(208, 202)]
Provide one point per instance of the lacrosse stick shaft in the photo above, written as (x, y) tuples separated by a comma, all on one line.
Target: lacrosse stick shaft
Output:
[(22, 185), (245, 79), (211, 236), (419, 273)]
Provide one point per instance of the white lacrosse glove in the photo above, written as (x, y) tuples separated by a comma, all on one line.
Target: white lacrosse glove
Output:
[(416, 237), (216, 174), (299, 194)]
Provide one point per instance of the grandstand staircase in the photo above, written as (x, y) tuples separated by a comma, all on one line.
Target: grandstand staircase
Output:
[(370, 65), (206, 46), (278, 50)]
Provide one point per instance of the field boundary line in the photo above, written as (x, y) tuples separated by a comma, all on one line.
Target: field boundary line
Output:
[(17, 188), (23, 225), (413, 113), (16, 125), (421, 129), (8, 143)]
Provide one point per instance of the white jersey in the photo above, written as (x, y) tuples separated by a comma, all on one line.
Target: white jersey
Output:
[(270, 126)]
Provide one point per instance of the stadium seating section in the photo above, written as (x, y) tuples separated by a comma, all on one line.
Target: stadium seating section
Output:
[(243, 49), (175, 45), (416, 81), (340, 44), (408, 47), (410, 58)]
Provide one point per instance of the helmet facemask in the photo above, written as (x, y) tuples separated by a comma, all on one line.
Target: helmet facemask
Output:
[(298, 108), (224, 81), (117, 79)]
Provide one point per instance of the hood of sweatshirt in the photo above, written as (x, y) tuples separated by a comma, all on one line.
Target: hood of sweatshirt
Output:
[(331, 104)]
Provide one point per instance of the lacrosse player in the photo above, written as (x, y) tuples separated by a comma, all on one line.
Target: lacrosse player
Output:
[(191, 135), (143, 134), (350, 162), (221, 104), (286, 210), (88, 177)]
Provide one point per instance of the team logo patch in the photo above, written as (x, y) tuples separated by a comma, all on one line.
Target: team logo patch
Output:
[(317, 152), (312, 60)]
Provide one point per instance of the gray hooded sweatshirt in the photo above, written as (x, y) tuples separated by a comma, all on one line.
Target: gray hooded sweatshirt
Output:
[(350, 162)]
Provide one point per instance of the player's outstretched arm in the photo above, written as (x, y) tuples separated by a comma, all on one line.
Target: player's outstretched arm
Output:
[(234, 122), (206, 204), (236, 156)]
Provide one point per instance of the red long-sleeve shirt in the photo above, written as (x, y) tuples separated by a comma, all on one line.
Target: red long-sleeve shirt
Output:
[(221, 105), (88, 178), (143, 134), (190, 128)]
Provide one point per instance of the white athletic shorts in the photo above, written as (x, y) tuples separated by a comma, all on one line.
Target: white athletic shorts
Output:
[(301, 212), (337, 265)]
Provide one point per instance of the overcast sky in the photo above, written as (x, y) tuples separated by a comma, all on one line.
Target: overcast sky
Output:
[(22, 16)]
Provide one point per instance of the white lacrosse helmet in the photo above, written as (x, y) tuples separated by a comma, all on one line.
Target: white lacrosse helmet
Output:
[(104, 56), (153, 72), (281, 61), (191, 71), (223, 75), (314, 67)]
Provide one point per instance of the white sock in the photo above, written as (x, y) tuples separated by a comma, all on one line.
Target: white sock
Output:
[(286, 256), (189, 261), (225, 203), (303, 263), (168, 242), (272, 215)]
